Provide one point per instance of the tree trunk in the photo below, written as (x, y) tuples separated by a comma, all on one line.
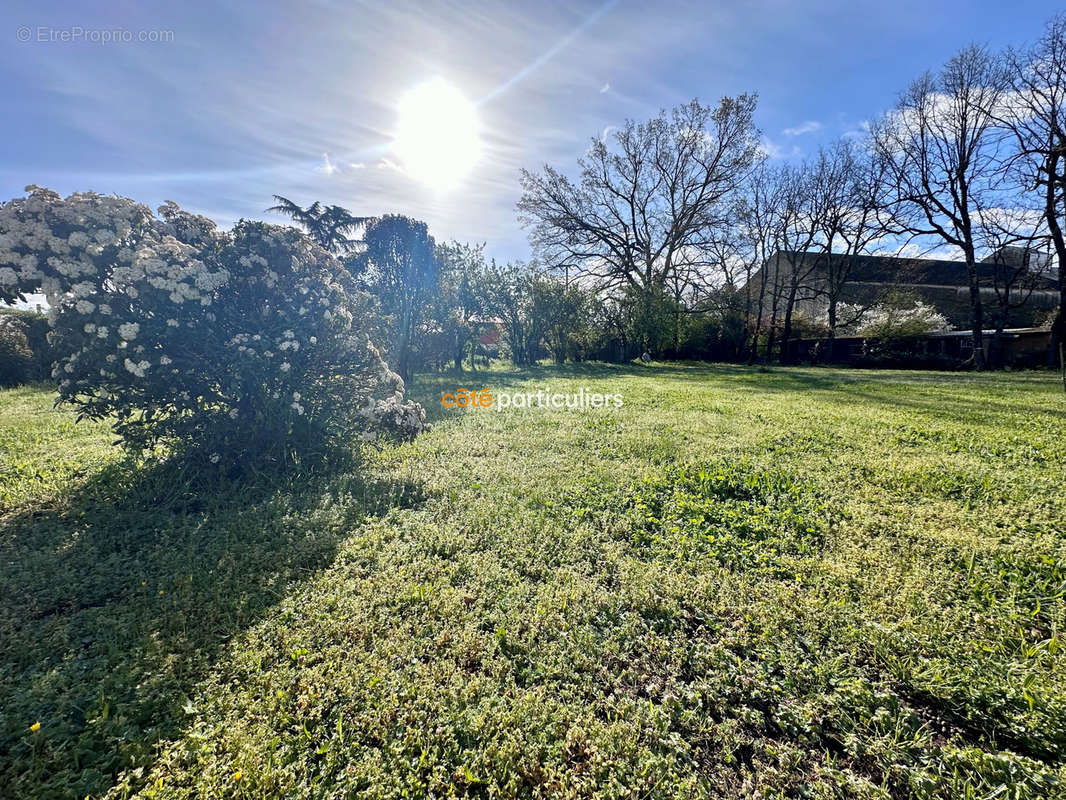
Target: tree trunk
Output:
[(976, 312), (754, 354), (457, 354), (831, 338), (995, 355), (786, 332), (1058, 327), (771, 335), (646, 322), (677, 330)]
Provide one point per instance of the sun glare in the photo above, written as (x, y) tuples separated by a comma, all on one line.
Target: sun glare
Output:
[(437, 137)]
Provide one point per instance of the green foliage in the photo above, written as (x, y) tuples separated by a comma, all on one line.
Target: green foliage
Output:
[(652, 318), (16, 357), (330, 226), (564, 314), (35, 328), (513, 293), (787, 583), (736, 517), (714, 336), (804, 327), (397, 263), (457, 310), (248, 346)]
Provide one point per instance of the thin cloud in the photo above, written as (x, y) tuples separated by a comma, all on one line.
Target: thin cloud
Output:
[(773, 150), (550, 53), (810, 126), (327, 167), (299, 129), (605, 88), (862, 130)]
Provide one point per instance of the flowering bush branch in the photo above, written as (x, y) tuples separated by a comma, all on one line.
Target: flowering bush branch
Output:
[(245, 343)]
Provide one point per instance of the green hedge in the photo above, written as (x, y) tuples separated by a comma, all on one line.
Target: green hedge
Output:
[(25, 353)]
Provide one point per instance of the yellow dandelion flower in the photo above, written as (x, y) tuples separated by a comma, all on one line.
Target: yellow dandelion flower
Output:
[(35, 727), (238, 775)]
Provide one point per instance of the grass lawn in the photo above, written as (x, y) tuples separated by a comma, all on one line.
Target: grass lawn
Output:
[(793, 583)]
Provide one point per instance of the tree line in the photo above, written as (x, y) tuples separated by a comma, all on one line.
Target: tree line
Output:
[(447, 305), (678, 236), (682, 215)]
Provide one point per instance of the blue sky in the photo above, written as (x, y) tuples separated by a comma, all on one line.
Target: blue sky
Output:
[(247, 100)]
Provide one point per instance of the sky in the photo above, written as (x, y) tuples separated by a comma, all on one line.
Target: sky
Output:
[(218, 106)]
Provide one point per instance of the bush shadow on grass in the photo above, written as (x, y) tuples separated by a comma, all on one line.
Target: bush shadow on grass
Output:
[(116, 602)]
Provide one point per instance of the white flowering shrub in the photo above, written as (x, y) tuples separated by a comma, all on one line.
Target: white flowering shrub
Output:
[(244, 344), (894, 318)]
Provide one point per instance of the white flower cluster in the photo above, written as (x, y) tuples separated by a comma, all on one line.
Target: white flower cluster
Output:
[(394, 414), (54, 245), (138, 368), (149, 314)]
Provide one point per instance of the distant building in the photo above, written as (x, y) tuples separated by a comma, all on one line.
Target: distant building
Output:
[(33, 302), (940, 283)]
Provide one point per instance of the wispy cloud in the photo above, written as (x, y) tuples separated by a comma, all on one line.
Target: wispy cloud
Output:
[(331, 167), (327, 167), (321, 127), (773, 150), (810, 126), (859, 131), (550, 53)]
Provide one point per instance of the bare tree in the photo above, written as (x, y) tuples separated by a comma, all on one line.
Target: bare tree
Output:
[(853, 217), (942, 156), (1035, 116), (724, 286), (1014, 241), (757, 229), (797, 230), (741, 250), (638, 216)]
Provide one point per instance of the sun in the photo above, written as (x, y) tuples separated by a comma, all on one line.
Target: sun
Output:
[(437, 134)]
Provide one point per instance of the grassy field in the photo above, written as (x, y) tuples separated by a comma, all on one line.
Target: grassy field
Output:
[(790, 583)]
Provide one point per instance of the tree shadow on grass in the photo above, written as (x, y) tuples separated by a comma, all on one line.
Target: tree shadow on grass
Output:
[(116, 602), (950, 396), (953, 397), (427, 387)]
